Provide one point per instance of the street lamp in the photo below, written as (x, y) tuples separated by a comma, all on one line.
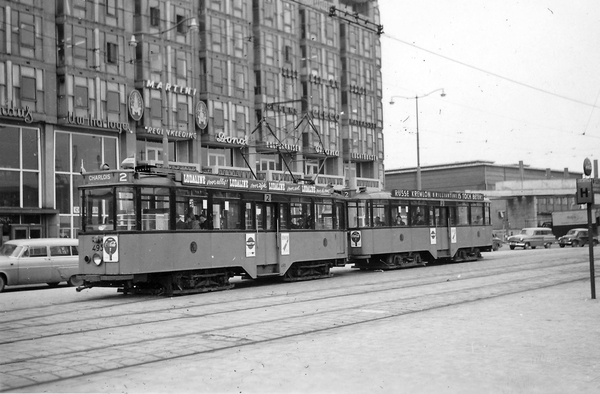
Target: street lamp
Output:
[(166, 98), (416, 98)]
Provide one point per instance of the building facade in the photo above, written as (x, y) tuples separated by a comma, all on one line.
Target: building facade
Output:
[(267, 89)]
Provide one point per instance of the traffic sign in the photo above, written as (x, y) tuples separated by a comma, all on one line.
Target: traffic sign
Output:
[(585, 192)]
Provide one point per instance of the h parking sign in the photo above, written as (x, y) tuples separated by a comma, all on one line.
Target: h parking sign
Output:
[(585, 192)]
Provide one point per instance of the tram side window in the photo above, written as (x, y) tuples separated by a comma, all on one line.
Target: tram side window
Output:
[(324, 213), (249, 217), (476, 214), (400, 214), (418, 215), (265, 216), (440, 216), (358, 214), (488, 218), (125, 209), (227, 212), (462, 215), (379, 213), (155, 208), (97, 205), (283, 216), (451, 216), (190, 208), (340, 217), (300, 215)]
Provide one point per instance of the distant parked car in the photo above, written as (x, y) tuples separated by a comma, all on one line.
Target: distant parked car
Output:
[(532, 237), (576, 237), (40, 260), (496, 243)]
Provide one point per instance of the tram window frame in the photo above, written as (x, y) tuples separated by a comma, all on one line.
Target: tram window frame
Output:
[(358, 214), (462, 214), (225, 207), (284, 213), (301, 213), (379, 210), (415, 208), (487, 215), (99, 202), (266, 218), (324, 215), (476, 211), (340, 216), (399, 211), (188, 200), (441, 216), (452, 216), (125, 207), (159, 217)]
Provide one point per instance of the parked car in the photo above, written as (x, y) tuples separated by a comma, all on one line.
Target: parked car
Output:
[(532, 237), (496, 243), (576, 237), (40, 260)]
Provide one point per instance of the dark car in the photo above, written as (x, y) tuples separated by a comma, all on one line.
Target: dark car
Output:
[(576, 237)]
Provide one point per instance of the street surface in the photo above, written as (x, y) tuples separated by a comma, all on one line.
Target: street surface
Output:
[(515, 322)]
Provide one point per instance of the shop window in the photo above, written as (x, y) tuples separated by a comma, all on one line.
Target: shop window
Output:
[(154, 16), (181, 26), (111, 7), (113, 102), (80, 47), (27, 33), (28, 89), (182, 112), (81, 97), (156, 108), (111, 52)]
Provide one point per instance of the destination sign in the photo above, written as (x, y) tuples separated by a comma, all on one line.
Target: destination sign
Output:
[(432, 195), (97, 178)]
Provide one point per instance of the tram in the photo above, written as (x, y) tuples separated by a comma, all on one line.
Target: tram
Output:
[(169, 232), (404, 228), (178, 232)]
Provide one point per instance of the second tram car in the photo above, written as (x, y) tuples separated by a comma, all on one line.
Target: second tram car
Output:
[(405, 228)]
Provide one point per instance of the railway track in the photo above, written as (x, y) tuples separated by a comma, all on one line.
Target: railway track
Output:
[(65, 340)]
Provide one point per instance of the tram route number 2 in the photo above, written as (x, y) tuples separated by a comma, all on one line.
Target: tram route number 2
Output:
[(267, 197)]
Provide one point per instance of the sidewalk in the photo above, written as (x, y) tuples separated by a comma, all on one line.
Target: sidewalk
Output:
[(543, 341)]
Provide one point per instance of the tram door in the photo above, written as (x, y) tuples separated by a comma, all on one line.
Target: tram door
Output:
[(266, 228), (442, 230)]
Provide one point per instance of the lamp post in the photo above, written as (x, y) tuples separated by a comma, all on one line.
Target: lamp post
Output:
[(193, 28), (416, 98)]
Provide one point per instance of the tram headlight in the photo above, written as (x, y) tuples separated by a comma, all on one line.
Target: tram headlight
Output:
[(97, 259)]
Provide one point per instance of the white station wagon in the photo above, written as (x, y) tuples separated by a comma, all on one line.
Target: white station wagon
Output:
[(40, 260)]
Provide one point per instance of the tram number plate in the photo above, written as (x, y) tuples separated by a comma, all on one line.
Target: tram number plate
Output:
[(97, 248), (267, 197)]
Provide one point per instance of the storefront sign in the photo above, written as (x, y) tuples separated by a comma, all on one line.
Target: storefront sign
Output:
[(136, 105), (332, 116), (362, 156), (437, 195), (201, 115), (328, 152), (353, 122), (170, 88), (23, 113), (98, 123), (288, 147), (171, 133), (221, 137)]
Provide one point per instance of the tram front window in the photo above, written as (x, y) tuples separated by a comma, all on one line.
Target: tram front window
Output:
[(97, 209)]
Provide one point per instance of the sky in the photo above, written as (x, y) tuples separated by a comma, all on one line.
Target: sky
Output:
[(521, 78)]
